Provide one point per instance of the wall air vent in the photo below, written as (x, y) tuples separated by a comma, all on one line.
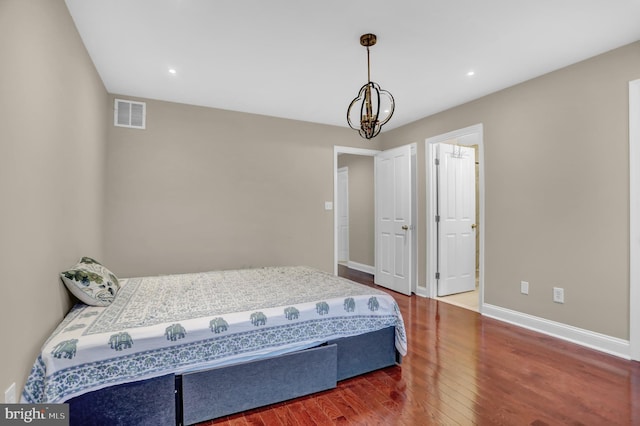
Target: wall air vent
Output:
[(129, 114)]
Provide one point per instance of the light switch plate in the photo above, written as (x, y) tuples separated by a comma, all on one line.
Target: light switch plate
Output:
[(558, 295), (328, 205)]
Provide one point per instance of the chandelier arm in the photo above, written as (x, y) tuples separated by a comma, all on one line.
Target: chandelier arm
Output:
[(353, 102), (367, 122), (377, 89), (392, 108), (367, 102), (349, 114)]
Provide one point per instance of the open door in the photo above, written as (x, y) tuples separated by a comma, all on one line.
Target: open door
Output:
[(395, 218), (455, 218)]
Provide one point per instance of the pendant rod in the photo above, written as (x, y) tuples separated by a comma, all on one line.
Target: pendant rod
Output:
[(368, 66)]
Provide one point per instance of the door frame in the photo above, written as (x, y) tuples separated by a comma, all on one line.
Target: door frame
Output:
[(341, 200), (336, 151), (634, 219), (431, 249)]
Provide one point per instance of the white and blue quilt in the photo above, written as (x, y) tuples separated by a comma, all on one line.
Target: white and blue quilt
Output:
[(188, 322)]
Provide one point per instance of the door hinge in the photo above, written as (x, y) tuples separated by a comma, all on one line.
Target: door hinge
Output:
[(437, 161), (437, 275), (437, 218)]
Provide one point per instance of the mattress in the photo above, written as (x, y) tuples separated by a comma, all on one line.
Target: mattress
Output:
[(187, 322)]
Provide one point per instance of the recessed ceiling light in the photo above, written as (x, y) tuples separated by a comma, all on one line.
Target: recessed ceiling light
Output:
[(471, 73), (172, 71)]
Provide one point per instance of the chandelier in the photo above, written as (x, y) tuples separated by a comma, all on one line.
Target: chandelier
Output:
[(370, 100)]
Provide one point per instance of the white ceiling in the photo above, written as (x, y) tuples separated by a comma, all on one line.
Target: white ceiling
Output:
[(303, 60)]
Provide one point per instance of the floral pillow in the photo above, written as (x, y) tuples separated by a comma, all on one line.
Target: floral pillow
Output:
[(91, 282)]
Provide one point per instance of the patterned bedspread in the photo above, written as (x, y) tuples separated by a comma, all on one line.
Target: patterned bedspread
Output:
[(179, 323)]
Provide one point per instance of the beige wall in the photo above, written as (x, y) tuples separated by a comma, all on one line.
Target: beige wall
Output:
[(53, 108), (361, 208), (557, 190), (204, 189)]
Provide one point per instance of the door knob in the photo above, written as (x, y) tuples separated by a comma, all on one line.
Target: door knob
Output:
[(405, 227), (474, 226)]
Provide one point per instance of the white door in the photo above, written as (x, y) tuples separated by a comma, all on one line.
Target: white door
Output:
[(455, 217), (394, 230), (343, 214)]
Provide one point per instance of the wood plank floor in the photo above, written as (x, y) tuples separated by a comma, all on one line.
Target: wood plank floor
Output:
[(465, 369)]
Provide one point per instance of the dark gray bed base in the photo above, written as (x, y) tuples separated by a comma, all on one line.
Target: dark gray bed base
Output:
[(195, 397)]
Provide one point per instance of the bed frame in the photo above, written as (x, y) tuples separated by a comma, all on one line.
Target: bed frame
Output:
[(203, 395)]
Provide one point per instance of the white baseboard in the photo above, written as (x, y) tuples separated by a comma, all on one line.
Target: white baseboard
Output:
[(601, 342), (361, 267), (421, 291)]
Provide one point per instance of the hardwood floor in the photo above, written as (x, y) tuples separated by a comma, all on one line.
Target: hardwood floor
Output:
[(465, 369)]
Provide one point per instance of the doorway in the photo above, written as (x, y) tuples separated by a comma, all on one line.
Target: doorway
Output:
[(355, 212), (390, 253), (466, 137)]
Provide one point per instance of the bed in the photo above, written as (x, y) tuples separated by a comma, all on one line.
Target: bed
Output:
[(181, 349)]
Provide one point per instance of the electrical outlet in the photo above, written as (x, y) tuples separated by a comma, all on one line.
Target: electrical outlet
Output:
[(524, 287), (10, 394), (558, 294)]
